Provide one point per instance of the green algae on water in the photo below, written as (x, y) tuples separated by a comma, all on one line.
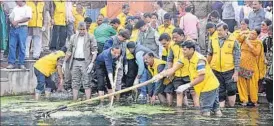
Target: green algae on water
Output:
[(135, 109), (27, 103)]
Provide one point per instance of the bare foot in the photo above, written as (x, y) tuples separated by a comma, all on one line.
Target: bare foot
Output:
[(218, 113), (206, 114)]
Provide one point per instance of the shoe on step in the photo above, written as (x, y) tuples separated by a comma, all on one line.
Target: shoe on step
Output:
[(10, 66), (22, 67)]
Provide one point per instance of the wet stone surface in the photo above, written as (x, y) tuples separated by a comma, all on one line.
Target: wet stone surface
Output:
[(21, 110)]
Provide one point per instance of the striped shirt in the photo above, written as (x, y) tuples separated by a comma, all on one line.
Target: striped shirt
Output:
[(201, 67)]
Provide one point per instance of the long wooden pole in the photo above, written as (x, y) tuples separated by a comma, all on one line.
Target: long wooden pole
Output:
[(115, 82), (99, 97)]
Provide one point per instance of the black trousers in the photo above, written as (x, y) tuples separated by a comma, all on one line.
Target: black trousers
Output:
[(231, 24), (102, 77), (59, 35), (132, 73), (269, 90)]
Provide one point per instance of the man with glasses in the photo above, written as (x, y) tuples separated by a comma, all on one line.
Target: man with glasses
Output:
[(82, 53)]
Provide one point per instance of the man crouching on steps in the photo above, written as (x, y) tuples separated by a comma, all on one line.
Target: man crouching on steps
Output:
[(202, 78), (44, 68), (82, 52)]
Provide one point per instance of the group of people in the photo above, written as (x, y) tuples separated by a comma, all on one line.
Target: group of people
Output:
[(210, 50)]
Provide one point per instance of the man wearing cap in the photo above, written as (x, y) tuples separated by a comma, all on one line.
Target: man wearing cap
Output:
[(149, 37), (44, 68), (81, 54), (138, 51)]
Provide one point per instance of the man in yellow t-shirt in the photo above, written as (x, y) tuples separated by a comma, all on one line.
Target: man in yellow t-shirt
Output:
[(123, 16), (167, 27), (78, 16), (44, 68), (202, 78), (165, 40)]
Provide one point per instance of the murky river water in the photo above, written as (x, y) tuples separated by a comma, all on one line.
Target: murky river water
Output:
[(21, 111)]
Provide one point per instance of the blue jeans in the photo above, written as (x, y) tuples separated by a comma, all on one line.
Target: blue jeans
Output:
[(18, 37), (144, 78), (209, 101), (43, 81), (58, 38), (93, 13)]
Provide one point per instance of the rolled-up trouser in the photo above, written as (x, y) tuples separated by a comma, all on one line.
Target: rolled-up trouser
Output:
[(37, 45), (269, 90), (132, 72), (43, 81), (119, 78), (79, 75), (102, 77), (144, 77), (59, 35), (209, 101), (67, 75), (227, 85)]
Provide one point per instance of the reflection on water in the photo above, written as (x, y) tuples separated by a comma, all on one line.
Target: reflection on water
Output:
[(232, 116)]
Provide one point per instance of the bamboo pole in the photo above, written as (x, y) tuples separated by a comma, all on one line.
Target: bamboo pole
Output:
[(115, 82), (45, 114)]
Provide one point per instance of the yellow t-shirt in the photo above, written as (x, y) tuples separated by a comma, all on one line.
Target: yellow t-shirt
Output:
[(103, 11), (162, 29), (122, 17), (92, 28)]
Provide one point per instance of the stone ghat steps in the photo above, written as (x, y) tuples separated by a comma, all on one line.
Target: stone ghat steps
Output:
[(17, 81)]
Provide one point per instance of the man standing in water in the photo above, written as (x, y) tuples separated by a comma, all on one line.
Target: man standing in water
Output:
[(201, 78)]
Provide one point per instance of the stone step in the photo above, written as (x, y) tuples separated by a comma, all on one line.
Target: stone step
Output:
[(28, 63), (17, 81)]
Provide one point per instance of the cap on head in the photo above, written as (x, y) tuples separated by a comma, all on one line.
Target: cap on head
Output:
[(131, 45)]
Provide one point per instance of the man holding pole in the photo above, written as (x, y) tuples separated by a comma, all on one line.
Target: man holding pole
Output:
[(104, 66), (138, 51), (201, 78)]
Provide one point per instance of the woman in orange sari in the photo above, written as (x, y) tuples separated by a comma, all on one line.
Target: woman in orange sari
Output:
[(251, 48)]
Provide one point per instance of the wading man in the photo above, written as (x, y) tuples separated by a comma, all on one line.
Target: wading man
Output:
[(181, 76), (44, 68), (224, 59), (81, 54), (155, 66), (201, 78), (105, 66), (142, 75)]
